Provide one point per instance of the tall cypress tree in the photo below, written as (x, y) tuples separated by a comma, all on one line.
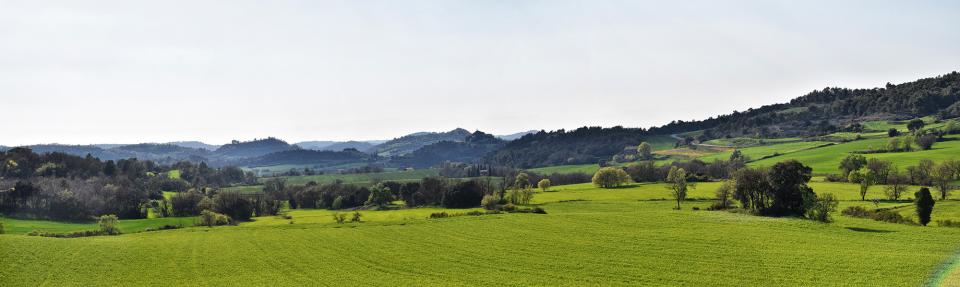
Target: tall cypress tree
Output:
[(924, 202)]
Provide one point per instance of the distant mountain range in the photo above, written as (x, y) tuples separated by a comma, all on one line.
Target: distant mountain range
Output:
[(452, 145), (817, 113), (409, 143)]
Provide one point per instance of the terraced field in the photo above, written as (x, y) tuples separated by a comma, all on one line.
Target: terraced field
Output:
[(613, 237)]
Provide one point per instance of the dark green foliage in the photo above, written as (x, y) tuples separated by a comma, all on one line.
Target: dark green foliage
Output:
[(234, 204), (892, 132), (186, 203), (924, 202), (472, 149), (788, 182), (462, 195), (379, 196), (878, 215), (580, 146), (780, 191), (931, 96), (915, 125)]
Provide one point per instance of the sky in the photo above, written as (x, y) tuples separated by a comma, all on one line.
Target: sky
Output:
[(81, 72)]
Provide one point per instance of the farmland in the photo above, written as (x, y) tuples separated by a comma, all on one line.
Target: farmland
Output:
[(622, 236)]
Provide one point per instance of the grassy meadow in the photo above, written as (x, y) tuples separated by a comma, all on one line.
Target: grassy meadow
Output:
[(590, 236)]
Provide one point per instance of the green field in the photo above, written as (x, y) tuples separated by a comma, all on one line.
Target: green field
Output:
[(827, 159), (590, 236), (17, 226)]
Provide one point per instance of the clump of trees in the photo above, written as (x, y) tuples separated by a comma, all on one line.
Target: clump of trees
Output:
[(610, 177), (876, 171), (60, 186), (778, 191)]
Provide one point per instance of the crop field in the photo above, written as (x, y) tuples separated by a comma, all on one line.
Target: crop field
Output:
[(590, 236), (758, 152), (17, 226), (827, 159)]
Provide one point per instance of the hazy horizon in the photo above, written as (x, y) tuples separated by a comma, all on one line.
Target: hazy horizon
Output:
[(130, 72)]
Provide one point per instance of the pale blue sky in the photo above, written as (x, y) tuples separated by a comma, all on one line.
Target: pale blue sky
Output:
[(151, 71)]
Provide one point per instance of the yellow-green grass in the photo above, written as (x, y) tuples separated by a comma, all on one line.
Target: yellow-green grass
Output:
[(575, 168), (745, 142), (174, 174), (758, 152), (361, 178), (827, 159), (590, 236), (20, 226)]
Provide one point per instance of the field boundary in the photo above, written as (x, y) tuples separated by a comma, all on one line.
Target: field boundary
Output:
[(944, 270)]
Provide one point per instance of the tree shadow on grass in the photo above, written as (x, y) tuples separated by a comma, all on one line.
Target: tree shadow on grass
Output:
[(860, 229)]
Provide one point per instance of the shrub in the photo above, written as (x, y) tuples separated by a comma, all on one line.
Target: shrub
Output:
[(355, 217), (856, 211), (108, 224), (891, 217), (832, 177), (85, 233), (490, 202), (509, 207), (211, 219), (948, 223), (439, 215), (2, 231), (822, 206), (520, 196), (339, 217)]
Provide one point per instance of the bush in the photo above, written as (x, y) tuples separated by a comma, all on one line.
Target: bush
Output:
[(211, 219), (85, 233), (948, 223), (339, 217), (355, 217), (822, 207), (490, 202), (439, 215), (831, 177), (856, 211), (2, 231), (891, 217), (108, 224), (509, 207)]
